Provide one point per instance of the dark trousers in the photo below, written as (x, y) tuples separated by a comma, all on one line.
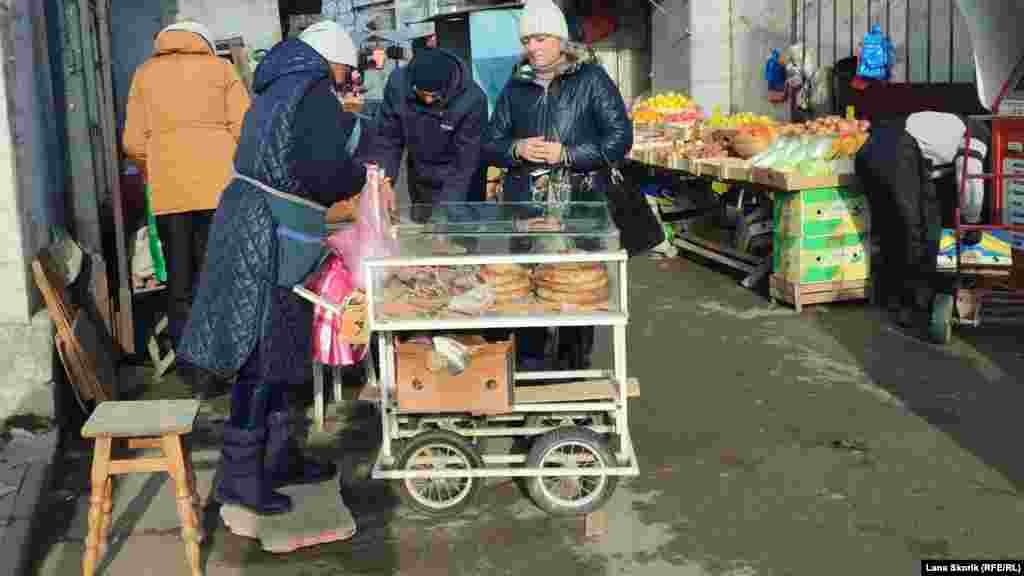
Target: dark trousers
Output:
[(906, 209), (183, 237), (253, 397), (573, 351)]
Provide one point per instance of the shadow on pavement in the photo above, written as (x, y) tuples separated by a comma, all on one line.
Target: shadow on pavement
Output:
[(969, 389)]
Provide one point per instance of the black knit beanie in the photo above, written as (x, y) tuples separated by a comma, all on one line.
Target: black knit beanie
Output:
[(432, 70)]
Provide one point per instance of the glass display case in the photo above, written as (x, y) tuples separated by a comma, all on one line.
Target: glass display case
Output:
[(478, 265)]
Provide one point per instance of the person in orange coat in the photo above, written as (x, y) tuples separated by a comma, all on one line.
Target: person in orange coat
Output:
[(184, 116)]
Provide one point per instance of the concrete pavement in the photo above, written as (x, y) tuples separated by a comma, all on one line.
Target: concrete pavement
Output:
[(769, 443)]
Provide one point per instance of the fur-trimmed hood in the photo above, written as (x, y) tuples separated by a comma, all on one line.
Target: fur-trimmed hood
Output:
[(576, 55)]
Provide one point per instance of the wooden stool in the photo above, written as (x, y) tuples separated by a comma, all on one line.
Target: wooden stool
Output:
[(145, 425)]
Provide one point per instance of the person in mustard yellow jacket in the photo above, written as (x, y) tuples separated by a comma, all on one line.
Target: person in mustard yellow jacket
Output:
[(184, 116)]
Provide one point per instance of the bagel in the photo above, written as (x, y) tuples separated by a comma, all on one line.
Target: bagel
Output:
[(503, 269), (512, 296), (504, 279), (581, 287), (517, 285), (582, 277), (581, 298)]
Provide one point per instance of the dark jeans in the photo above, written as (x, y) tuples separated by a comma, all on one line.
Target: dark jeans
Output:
[(183, 237)]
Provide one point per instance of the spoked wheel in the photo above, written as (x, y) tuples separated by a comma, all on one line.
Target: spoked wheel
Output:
[(940, 324), (439, 450), (570, 495)]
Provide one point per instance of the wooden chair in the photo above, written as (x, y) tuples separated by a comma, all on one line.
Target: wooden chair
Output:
[(80, 368), (160, 424)]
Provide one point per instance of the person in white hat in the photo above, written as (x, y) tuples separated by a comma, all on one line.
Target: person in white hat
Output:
[(296, 156), (336, 46), (562, 115), (181, 95)]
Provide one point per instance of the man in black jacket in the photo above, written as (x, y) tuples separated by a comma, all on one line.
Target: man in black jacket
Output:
[(434, 111)]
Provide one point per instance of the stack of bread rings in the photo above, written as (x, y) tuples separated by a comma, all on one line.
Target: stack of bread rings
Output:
[(576, 284), (511, 282)]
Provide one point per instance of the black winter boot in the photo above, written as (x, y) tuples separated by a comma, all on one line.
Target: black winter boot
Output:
[(244, 482), (285, 464)]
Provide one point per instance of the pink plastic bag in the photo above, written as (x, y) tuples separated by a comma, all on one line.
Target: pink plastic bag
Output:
[(333, 283), (371, 235)]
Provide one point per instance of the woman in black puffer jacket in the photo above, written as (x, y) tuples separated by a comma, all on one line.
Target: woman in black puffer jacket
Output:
[(561, 110)]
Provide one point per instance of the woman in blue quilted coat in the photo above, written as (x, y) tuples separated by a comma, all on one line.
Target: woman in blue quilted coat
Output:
[(295, 158)]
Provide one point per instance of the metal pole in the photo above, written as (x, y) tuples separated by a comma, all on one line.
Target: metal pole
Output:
[(928, 44), (851, 28), (952, 52), (906, 40), (818, 9), (835, 32), (888, 19)]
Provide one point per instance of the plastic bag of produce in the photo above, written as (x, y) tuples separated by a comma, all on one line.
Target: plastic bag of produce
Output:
[(774, 155), (814, 167), (333, 284), (821, 147), (371, 236), (876, 55)]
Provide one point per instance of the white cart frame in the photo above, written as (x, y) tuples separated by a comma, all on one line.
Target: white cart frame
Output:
[(616, 387)]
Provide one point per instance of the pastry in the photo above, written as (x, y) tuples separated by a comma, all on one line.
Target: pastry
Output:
[(502, 269), (580, 298), (588, 286), (504, 279), (572, 277)]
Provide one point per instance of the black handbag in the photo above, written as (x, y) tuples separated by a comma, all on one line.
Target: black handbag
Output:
[(639, 230)]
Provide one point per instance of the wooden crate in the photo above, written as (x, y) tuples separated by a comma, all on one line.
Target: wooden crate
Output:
[(790, 181), (736, 169), (800, 295), (712, 168)]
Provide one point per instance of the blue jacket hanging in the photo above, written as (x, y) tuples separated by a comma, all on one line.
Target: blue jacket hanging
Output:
[(876, 55)]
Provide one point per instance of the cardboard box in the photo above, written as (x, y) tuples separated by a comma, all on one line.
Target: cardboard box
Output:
[(994, 250), (802, 260), (822, 212), (424, 384)]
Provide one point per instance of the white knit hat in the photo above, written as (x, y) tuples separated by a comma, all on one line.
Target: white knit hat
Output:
[(332, 42), (543, 17), (195, 28)]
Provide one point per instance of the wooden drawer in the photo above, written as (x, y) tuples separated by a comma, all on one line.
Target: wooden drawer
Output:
[(485, 387)]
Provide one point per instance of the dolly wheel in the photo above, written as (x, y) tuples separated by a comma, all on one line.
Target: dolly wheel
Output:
[(940, 325), (439, 450), (570, 495)]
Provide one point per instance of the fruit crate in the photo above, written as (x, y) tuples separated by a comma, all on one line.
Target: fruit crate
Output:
[(821, 246)]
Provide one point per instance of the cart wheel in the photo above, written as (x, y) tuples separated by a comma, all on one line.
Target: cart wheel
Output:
[(570, 495), (439, 496), (940, 325)]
